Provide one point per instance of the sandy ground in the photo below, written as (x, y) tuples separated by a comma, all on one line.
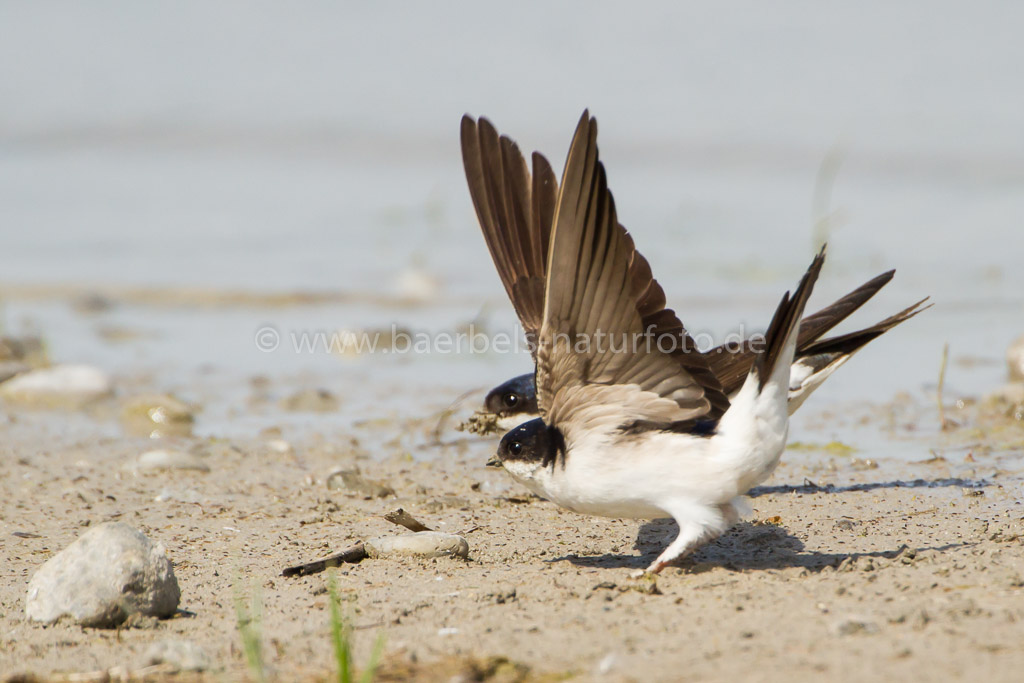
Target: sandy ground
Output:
[(847, 569)]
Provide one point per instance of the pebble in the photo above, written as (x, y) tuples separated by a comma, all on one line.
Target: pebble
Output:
[(58, 386), (311, 401), (111, 571), (157, 416), (1015, 359), (183, 655), (279, 446), (855, 626), (421, 544), (352, 480), (163, 459)]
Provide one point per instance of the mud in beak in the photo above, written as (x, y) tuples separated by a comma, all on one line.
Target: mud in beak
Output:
[(495, 461)]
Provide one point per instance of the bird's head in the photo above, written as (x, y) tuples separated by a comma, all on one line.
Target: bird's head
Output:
[(528, 449), (518, 396)]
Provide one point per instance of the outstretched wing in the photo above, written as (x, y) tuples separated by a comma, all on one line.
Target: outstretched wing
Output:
[(594, 363), (515, 211)]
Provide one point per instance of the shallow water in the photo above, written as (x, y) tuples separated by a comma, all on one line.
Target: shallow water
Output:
[(317, 151)]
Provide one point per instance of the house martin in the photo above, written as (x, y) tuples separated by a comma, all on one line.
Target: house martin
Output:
[(643, 433)]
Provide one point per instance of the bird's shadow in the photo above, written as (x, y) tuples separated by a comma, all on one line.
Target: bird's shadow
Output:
[(746, 546), (756, 545), (810, 487)]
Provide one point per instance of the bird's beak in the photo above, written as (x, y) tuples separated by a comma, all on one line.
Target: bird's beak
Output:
[(495, 461)]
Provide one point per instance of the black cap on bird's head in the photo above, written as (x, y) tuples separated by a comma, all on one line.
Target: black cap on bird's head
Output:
[(515, 397), (531, 443)]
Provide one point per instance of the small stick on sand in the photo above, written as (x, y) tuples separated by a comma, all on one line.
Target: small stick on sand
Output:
[(352, 554), (403, 518)]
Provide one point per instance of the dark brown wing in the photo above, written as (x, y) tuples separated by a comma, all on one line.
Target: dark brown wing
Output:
[(515, 211), (590, 368)]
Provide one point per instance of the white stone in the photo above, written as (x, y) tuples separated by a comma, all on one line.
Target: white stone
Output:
[(58, 386), (163, 459), (420, 544), (183, 655), (111, 572)]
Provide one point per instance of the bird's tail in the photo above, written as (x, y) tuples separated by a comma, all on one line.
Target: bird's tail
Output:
[(817, 361), (753, 431), (771, 368)]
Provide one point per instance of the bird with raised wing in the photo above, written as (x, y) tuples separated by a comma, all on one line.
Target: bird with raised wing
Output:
[(634, 431), (516, 209)]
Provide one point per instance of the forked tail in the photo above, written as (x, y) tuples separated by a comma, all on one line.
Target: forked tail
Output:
[(753, 432), (773, 363)]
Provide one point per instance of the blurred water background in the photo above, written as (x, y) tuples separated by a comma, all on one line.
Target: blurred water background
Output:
[(214, 150)]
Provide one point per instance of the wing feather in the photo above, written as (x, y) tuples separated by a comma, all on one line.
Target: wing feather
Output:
[(515, 213), (600, 292)]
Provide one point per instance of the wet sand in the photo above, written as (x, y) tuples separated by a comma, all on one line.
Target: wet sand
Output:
[(853, 567)]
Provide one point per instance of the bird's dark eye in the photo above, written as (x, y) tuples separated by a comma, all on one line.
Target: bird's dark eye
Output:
[(510, 400), (515, 448)]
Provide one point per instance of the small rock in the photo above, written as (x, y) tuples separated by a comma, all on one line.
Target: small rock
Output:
[(59, 386), (183, 655), (157, 416), (311, 401), (855, 626), (109, 573), (279, 446), (1015, 359), (352, 480), (422, 544), (162, 459)]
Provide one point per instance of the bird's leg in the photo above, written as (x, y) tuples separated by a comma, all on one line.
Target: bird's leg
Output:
[(691, 536), (696, 527)]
